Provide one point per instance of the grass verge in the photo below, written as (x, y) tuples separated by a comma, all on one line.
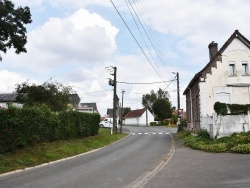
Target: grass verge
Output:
[(47, 152), (236, 143)]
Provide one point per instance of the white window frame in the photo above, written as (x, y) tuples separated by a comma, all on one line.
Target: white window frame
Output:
[(245, 68), (232, 69)]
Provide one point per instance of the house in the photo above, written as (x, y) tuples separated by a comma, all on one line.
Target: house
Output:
[(87, 107), (140, 117), (226, 78), (8, 99)]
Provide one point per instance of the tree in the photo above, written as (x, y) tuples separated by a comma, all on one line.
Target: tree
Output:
[(125, 111), (55, 95), (162, 109), (149, 99), (12, 30)]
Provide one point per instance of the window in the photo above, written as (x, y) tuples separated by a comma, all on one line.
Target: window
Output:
[(232, 70), (244, 68)]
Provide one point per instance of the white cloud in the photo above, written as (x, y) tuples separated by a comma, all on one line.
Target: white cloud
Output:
[(9, 80), (83, 37)]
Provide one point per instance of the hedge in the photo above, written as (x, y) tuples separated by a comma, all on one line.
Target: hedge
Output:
[(19, 127)]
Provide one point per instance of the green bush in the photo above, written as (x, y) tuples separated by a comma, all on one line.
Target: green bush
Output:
[(19, 127), (153, 123), (202, 133), (243, 148), (220, 108)]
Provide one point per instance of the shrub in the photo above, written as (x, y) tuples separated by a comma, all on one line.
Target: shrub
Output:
[(153, 123), (243, 148), (220, 108), (202, 133), (19, 127)]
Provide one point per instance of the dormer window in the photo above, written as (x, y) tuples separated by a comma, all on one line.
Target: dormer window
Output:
[(232, 71), (244, 68)]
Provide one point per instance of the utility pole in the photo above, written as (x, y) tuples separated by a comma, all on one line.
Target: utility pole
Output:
[(178, 101), (113, 83), (114, 103), (121, 112), (178, 91)]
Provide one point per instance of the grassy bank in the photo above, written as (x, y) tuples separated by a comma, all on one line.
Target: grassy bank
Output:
[(47, 152), (236, 143)]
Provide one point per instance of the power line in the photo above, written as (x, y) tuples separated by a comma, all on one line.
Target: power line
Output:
[(147, 83), (148, 37), (134, 38)]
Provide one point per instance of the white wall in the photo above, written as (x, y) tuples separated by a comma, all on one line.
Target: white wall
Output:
[(216, 83), (141, 121), (221, 126)]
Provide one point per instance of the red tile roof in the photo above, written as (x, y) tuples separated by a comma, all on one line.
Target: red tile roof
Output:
[(135, 113)]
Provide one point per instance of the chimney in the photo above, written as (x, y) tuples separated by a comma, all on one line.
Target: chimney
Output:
[(213, 49)]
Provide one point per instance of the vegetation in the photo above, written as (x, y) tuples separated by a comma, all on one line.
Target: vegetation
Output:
[(47, 152), (237, 142), (162, 109), (55, 95), (234, 109), (12, 30), (27, 126), (125, 111), (149, 98)]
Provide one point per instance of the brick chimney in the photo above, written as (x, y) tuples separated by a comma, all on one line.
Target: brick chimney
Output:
[(213, 49)]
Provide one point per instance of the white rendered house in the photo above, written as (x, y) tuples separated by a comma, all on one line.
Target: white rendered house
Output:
[(226, 78)]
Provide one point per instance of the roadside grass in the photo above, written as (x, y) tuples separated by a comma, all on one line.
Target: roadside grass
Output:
[(47, 152), (236, 143)]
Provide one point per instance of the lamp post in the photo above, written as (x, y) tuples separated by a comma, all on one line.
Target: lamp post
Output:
[(121, 112)]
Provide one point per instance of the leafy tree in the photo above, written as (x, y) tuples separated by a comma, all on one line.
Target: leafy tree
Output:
[(12, 30), (162, 109), (125, 111), (149, 99), (55, 95)]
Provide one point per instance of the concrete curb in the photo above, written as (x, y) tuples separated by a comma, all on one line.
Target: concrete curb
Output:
[(64, 159)]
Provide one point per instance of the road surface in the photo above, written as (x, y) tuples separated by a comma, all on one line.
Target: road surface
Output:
[(122, 164)]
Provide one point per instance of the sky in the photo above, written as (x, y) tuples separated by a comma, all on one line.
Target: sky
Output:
[(78, 43)]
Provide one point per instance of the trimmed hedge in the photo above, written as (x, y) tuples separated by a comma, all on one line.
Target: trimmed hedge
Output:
[(19, 127)]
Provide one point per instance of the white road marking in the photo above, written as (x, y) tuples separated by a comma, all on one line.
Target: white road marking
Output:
[(160, 133), (145, 133), (167, 133), (139, 133), (153, 133), (133, 133)]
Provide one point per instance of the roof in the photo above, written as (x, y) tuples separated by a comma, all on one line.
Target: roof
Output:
[(8, 97), (212, 62), (88, 106), (135, 113)]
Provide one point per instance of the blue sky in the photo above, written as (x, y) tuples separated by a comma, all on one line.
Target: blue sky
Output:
[(73, 41)]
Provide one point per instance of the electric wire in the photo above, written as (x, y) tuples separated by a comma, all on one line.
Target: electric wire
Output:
[(134, 38)]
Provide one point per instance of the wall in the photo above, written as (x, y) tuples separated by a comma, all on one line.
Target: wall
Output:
[(221, 126), (141, 121)]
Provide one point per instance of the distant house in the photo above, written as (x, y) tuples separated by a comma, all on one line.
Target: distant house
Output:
[(225, 78), (140, 117), (87, 107), (8, 99)]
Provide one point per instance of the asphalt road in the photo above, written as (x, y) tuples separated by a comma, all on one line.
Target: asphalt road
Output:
[(197, 169), (122, 164)]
